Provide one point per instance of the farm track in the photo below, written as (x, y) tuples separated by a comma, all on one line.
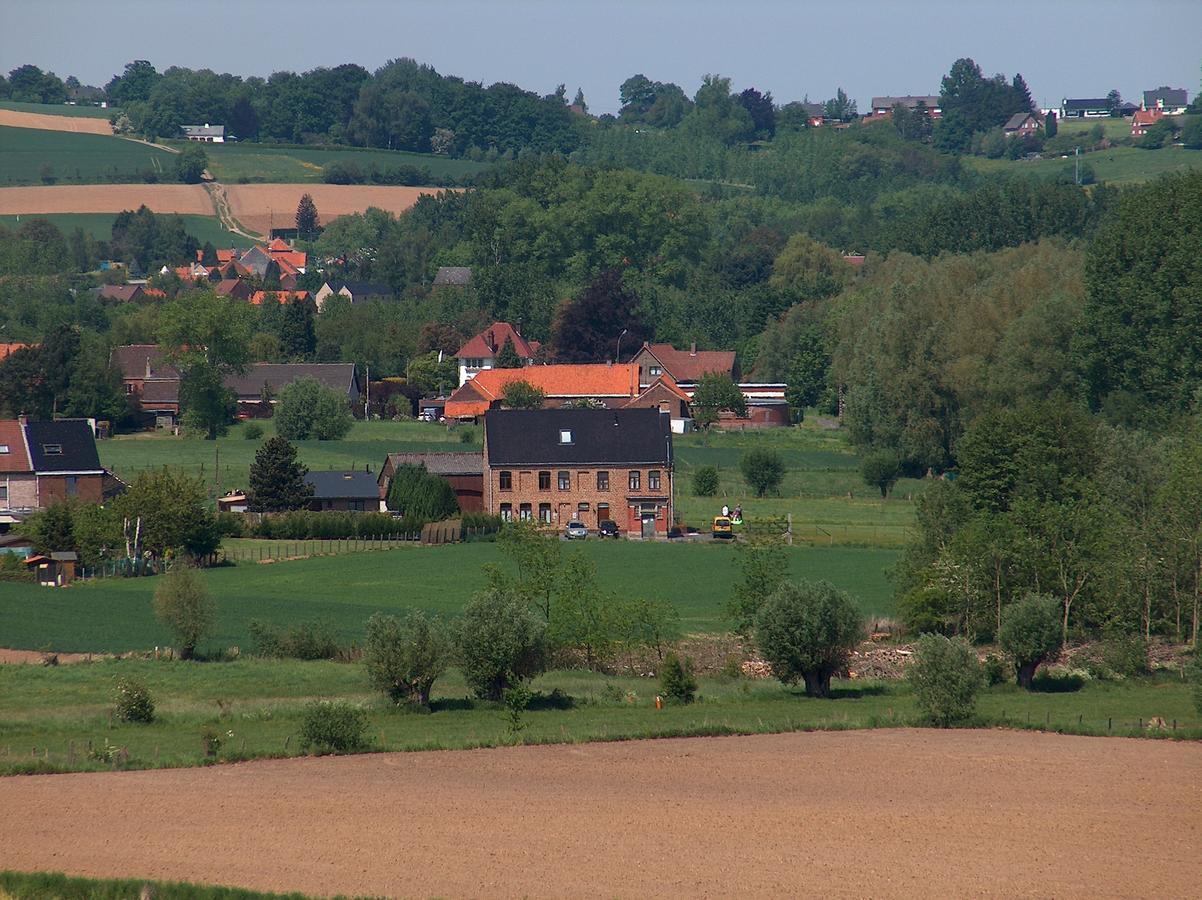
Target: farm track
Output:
[(867, 813), (221, 205)]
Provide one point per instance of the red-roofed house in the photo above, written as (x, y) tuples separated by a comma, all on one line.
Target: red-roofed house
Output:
[(480, 353), (1145, 119), (258, 298), (7, 349), (683, 366), (234, 287), (613, 386)]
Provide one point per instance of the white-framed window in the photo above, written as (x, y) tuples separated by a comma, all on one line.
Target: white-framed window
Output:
[(653, 480), (506, 512), (524, 512), (655, 371), (4, 449), (565, 481), (52, 449), (544, 513), (565, 436)]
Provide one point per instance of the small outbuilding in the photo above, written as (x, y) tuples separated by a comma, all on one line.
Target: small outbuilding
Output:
[(54, 569)]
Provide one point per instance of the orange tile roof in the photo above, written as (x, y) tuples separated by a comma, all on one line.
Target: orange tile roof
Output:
[(488, 343), (557, 381), (6, 349), (258, 297), (17, 457)]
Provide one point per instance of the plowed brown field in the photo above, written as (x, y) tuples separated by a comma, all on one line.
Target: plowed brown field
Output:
[(186, 199), (86, 124), (260, 207), (851, 814)]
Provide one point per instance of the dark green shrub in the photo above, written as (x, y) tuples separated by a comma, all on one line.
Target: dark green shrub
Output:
[(499, 642), (419, 496), (252, 431), (705, 481), (928, 610), (880, 469), (763, 470), (183, 604), (468, 436), (404, 657), (304, 640), (333, 726), (1126, 656), (1193, 675), (676, 681), (13, 568), (996, 670), (945, 677), (231, 524), (132, 701), (1031, 634), (806, 631)]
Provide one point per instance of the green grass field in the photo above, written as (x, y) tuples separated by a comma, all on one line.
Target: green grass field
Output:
[(114, 614), (822, 488), (50, 716), (56, 886), (76, 158), (59, 109), (1119, 165), (100, 226), (231, 163)]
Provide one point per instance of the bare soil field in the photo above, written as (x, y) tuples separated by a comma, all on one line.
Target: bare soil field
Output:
[(260, 207), (840, 814), (84, 124), (186, 199)]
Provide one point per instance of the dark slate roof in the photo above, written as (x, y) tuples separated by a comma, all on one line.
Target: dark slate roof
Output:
[(64, 446), (1171, 97), (142, 361), (527, 437), (363, 289), (337, 376), (453, 275), (455, 463), (343, 485), (1086, 103)]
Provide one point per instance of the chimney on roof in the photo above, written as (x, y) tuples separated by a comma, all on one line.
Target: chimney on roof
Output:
[(693, 349), (22, 421), (492, 341), (518, 328)]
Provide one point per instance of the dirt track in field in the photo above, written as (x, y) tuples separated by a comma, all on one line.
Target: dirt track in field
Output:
[(186, 199), (260, 207), (869, 813), (81, 124)]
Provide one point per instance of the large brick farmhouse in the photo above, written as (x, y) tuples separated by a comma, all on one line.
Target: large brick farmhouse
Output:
[(588, 465)]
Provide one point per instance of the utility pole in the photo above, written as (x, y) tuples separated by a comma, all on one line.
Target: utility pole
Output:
[(1078, 165), (367, 402)]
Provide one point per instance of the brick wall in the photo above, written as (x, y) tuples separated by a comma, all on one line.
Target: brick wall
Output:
[(565, 505), (22, 491), (88, 488)]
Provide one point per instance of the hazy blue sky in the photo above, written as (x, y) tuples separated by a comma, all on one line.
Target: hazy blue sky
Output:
[(1062, 47)]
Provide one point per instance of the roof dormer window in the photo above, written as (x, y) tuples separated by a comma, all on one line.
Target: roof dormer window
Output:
[(565, 436), (52, 449), (3, 449)]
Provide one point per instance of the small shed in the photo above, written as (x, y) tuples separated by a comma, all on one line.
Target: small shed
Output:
[(234, 501), (55, 569)]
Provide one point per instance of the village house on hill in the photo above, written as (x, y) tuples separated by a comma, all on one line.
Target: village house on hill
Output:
[(480, 352), (45, 462), (685, 367), (555, 466)]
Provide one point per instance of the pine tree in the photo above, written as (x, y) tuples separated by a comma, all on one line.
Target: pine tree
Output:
[(271, 276), (307, 221), (508, 357), (298, 337), (208, 256), (579, 100), (277, 479)]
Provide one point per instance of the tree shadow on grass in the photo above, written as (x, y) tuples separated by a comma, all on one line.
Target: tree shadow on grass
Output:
[(1044, 683)]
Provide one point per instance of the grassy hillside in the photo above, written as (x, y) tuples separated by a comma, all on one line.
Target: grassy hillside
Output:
[(115, 614), (1120, 165), (100, 226), (76, 158), (59, 109), (232, 163)]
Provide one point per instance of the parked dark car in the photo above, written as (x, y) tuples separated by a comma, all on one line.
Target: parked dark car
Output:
[(608, 528)]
